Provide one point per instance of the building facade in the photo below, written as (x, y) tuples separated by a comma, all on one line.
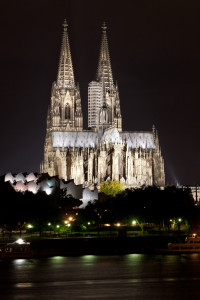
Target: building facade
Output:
[(104, 151)]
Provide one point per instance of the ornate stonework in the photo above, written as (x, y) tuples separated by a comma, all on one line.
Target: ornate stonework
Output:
[(104, 151)]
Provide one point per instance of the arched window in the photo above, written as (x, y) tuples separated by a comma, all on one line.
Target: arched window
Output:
[(67, 111)]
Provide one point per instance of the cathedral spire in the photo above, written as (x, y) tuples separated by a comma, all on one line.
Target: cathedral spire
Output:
[(104, 65), (65, 77)]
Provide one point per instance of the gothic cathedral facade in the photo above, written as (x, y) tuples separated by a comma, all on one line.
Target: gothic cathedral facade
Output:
[(104, 151)]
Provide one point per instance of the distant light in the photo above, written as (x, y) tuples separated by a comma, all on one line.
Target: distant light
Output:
[(49, 224), (70, 218), (48, 191), (68, 225), (107, 225), (170, 220), (134, 222), (180, 220), (58, 226), (30, 226), (89, 223), (118, 224), (20, 241), (65, 222)]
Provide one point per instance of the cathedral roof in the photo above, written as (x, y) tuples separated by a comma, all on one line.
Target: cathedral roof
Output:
[(139, 139), (112, 135), (74, 138), (89, 138)]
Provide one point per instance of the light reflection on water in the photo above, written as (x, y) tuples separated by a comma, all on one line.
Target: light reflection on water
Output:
[(102, 277)]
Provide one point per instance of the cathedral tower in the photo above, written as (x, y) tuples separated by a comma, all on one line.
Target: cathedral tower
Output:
[(103, 95), (66, 111)]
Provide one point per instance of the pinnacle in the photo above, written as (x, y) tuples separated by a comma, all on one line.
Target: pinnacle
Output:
[(65, 25), (104, 27)]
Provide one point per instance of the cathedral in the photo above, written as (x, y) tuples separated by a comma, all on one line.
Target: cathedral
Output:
[(103, 151)]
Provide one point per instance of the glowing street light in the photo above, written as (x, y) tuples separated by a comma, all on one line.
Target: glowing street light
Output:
[(89, 223), (179, 219), (49, 224), (30, 226), (134, 222), (118, 224), (57, 226), (70, 218)]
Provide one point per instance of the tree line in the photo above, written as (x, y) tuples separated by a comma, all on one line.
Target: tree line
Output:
[(142, 205)]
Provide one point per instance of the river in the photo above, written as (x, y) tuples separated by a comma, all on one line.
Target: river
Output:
[(131, 276)]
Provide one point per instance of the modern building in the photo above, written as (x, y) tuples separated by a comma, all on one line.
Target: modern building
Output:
[(104, 151)]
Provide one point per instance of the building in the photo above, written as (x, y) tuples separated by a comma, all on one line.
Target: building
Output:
[(95, 101), (104, 151)]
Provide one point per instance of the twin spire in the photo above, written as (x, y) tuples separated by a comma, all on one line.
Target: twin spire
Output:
[(104, 71), (65, 77)]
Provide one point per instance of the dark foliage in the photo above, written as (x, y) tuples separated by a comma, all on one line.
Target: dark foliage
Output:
[(18, 209), (147, 204)]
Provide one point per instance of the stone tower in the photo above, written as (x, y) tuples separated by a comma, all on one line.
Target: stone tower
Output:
[(65, 111), (104, 105)]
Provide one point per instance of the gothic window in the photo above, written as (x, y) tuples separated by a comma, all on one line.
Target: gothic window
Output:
[(67, 111)]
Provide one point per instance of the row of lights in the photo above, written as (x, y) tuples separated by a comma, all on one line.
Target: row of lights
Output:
[(89, 223), (49, 224)]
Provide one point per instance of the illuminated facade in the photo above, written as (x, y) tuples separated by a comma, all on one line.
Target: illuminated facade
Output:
[(104, 151)]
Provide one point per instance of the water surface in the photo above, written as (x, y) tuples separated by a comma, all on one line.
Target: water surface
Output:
[(131, 276)]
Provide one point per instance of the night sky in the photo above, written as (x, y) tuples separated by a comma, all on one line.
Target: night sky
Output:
[(155, 57)]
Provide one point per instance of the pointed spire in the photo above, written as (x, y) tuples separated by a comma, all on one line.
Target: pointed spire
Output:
[(104, 65), (116, 84), (65, 71), (154, 131), (104, 89)]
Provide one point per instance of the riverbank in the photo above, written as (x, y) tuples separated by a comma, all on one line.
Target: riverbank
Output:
[(100, 246)]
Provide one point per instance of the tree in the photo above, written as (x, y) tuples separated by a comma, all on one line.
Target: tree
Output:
[(67, 203), (111, 188)]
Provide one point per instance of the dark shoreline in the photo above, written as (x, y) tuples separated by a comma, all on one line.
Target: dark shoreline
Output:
[(101, 246)]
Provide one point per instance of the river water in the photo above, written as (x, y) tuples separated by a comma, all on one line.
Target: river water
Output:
[(131, 276)]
